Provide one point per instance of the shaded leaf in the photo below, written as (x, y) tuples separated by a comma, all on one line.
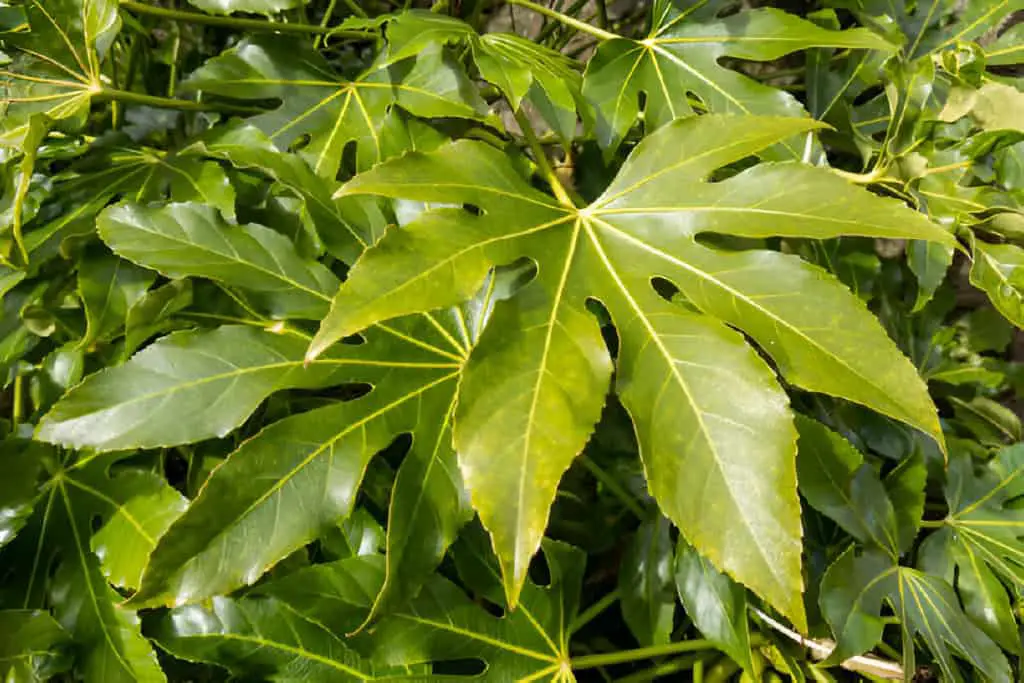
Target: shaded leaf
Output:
[(32, 646), (852, 593), (716, 604), (645, 582), (56, 67), (179, 240)]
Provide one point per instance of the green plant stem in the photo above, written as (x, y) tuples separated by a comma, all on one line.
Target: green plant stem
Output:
[(542, 160), (581, 26), (587, 615), (235, 22), (673, 666), (328, 13), (355, 8), (602, 14), (624, 656), (113, 95), (17, 400), (933, 523), (624, 496)]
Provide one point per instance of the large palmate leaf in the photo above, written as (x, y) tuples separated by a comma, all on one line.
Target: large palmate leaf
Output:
[(705, 406), (852, 593), (58, 562), (412, 366), (681, 56), (982, 540), (286, 630), (55, 69), (331, 111)]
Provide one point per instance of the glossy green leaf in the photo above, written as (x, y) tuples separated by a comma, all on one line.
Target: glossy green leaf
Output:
[(339, 224), (109, 287), (982, 540), (19, 488), (682, 56), (330, 110), (32, 646), (310, 465), (716, 604), (852, 593), (179, 240), (196, 372), (521, 69), (443, 624), (53, 562), (267, 637), (836, 481), (638, 228), (645, 583), (56, 66), (996, 270)]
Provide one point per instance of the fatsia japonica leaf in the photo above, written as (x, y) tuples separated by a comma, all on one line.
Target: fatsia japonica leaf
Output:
[(34, 647), (271, 636), (58, 562), (185, 239), (339, 224), (836, 481), (982, 540), (189, 386), (997, 271), (109, 286), (521, 69), (703, 403), (333, 111), (56, 66), (852, 593), (681, 56), (291, 628), (645, 583), (716, 604), (19, 487), (299, 476)]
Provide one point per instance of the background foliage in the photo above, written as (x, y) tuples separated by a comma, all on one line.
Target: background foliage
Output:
[(354, 340)]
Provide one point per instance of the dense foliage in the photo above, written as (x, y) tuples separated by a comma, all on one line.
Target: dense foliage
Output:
[(511, 341)]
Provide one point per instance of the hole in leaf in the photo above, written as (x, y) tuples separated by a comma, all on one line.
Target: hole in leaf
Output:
[(395, 452), (473, 209), (604, 319), (540, 572), (300, 143), (867, 95), (666, 289), (696, 101), (354, 340)]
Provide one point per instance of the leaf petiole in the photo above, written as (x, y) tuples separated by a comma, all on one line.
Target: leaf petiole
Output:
[(581, 26), (237, 23)]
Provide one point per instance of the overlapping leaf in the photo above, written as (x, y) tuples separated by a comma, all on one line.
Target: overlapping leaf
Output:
[(681, 56), (983, 540), (520, 68), (697, 393), (330, 111), (58, 562), (852, 593), (56, 66), (33, 647), (288, 630)]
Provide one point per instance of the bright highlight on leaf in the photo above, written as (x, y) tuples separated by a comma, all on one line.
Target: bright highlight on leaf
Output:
[(511, 340)]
